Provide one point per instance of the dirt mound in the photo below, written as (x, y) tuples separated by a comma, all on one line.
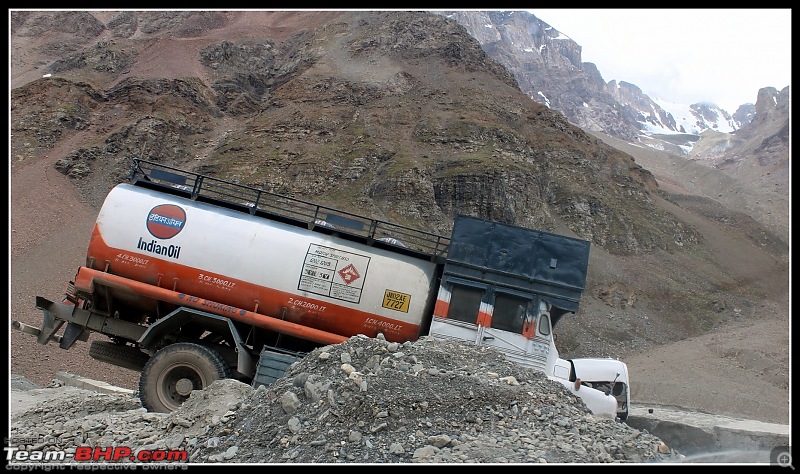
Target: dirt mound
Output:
[(365, 400)]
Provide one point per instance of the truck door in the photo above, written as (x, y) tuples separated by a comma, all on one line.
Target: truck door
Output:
[(514, 328), (509, 317)]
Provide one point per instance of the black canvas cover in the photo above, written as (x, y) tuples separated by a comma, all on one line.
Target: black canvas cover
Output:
[(550, 265)]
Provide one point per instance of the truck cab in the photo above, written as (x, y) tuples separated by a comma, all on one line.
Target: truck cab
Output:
[(505, 287)]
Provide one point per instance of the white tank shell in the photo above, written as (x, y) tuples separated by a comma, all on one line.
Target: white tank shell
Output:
[(226, 245)]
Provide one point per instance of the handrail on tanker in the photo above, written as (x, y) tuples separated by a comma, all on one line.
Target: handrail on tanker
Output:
[(314, 216)]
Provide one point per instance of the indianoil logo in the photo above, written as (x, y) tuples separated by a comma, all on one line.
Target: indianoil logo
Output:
[(166, 221)]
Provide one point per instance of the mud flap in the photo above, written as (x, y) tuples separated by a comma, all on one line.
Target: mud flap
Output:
[(53, 317), (72, 333), (50, 325)]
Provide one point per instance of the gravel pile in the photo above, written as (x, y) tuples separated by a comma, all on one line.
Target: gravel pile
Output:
[(365, 401)]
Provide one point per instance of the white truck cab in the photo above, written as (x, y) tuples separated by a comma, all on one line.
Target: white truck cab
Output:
[(602, 384), (505, 287), (608, 376)]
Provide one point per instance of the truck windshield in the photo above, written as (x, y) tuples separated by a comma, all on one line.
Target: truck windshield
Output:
[(465, 302), (509, 312)]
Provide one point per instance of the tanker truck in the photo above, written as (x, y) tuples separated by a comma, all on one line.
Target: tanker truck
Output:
[(191, 279)]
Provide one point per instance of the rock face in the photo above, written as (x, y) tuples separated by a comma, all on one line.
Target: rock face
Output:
[(365, 400), (399, 115), (759, 151), (548, 67)]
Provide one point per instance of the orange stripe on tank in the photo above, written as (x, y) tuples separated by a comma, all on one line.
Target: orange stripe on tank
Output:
[(86, 279)]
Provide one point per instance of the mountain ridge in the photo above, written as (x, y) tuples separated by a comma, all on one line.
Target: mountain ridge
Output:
[(548, 67)]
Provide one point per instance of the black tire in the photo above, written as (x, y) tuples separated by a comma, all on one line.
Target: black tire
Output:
[(174, 371), (120, 355)]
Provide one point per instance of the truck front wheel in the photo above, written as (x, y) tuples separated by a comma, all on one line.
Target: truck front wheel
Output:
[(174, 371)]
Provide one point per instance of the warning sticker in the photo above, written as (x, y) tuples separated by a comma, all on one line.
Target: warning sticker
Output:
[(396, 300), (335, 273), (349, 274)]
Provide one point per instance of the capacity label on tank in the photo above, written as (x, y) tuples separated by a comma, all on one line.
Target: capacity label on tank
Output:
[(396, 300), (335, 273)]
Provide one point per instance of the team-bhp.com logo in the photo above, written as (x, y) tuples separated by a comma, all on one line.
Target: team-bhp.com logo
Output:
[(95, 454)]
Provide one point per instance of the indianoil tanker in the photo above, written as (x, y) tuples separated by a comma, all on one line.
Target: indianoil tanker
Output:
[(193, 279)]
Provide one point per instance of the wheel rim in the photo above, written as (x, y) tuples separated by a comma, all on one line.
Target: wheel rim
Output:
[(176, 383)]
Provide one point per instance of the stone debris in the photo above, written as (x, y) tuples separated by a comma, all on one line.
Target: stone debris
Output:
[(365, 401)]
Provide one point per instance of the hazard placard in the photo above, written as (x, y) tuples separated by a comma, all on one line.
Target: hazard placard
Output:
[(334, 272)]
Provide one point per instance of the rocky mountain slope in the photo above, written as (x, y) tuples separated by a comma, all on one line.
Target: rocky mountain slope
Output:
[(548, 66), (400, 115), (759, 151), (549, 69)]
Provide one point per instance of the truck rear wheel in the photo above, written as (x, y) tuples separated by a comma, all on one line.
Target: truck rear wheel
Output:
[(174, 371)]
